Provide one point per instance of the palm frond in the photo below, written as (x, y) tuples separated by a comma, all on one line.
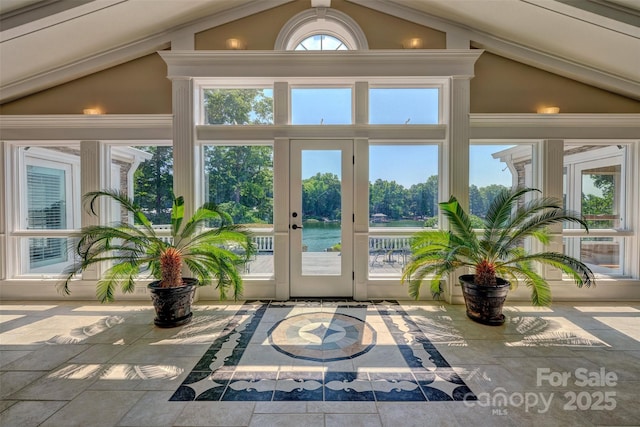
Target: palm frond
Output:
[(177, 215), (125, 202), (213, 254), (500, 211), (459, 221), (436, 254)]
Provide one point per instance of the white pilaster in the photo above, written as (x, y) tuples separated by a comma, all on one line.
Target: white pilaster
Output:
[(281, 216), (361, 211), (3, 202), (552, 156), (185, 169), (93, 177), (457, 158)]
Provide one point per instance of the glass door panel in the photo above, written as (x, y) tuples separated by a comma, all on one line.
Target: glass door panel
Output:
[(321, 218)]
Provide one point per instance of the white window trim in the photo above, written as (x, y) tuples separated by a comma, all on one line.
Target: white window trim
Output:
[(321, 21), (39, 156)]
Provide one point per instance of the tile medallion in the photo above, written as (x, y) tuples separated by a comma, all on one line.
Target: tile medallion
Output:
[(322, 351)]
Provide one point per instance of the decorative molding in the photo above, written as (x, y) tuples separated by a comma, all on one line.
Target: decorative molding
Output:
[(89, 127), (321, 21), (555, 126), (269, 133), (423, 63)]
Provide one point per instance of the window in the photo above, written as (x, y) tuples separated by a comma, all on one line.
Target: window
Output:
[(238, 106), (49, 181), (239, 178), (595, 186), (321, 42), (403, 196), (321, 29), (493, 168), (321, 106), (151, 182), (415, 106), (46, 204)]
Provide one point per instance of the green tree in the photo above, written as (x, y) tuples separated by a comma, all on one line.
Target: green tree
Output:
[(240, 179), (389, 198), (237, 106), (477, 205), (593, 204), (153, 184), (321, 197), (424, 198)]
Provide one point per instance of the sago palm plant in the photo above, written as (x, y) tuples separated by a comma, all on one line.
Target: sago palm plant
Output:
[(208, 244), (497, 250)]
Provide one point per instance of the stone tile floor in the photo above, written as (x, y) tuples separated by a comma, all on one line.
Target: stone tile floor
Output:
[(318, 363)]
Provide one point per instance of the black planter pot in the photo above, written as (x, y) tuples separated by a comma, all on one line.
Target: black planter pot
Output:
[(484, 303), (173, 305)]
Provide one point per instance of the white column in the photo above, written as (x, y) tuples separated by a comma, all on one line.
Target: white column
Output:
[(457, 159), (3, 202), (185, 167), (94, 173), (458, 155), (281, 211), (361, 195), (551, 154), (361, 225), (281, 214)]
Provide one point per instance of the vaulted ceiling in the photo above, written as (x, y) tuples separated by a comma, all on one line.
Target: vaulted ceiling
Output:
[(48, 42)]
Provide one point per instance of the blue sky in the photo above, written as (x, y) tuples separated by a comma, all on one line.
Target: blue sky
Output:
[(412, 164), (405, 164)]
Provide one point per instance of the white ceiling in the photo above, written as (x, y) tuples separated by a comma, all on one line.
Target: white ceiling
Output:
[(47, 42)]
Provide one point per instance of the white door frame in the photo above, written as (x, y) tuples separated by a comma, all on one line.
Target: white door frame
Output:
[(334, 283)]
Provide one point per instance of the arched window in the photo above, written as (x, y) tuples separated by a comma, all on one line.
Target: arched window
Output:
[(321, 29), (321, 42)]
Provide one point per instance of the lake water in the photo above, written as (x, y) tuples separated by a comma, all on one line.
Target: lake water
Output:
[(319, 236)]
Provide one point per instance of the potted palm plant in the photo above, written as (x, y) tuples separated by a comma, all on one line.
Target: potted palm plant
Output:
[(495, 254), (208, 244)]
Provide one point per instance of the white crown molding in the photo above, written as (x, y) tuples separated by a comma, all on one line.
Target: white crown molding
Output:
[(270, 133), (561, 126), (514, 51), (528, 119), (127, 52), (91, 127), (409, 63)]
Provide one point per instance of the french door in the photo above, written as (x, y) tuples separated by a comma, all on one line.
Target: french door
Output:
[(321, 218)]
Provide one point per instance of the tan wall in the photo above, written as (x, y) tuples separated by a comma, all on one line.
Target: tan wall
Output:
[(382, 31), (141, 86), (505, 86), (136, 87)]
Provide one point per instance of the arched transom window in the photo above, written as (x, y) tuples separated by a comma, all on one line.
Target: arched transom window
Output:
[(321, 29), (321, 42)]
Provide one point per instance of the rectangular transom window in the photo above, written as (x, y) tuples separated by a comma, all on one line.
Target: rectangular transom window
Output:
[(252, 106), (410, 106), (318, 106)]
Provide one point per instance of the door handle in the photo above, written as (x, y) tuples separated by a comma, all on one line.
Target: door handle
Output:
[(296, 226)]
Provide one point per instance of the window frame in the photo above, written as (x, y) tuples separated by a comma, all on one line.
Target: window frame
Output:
[(573, 178), (38, 155), (434, 85)]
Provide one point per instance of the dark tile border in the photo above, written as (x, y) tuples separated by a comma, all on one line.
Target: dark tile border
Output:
[(215, 378)]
